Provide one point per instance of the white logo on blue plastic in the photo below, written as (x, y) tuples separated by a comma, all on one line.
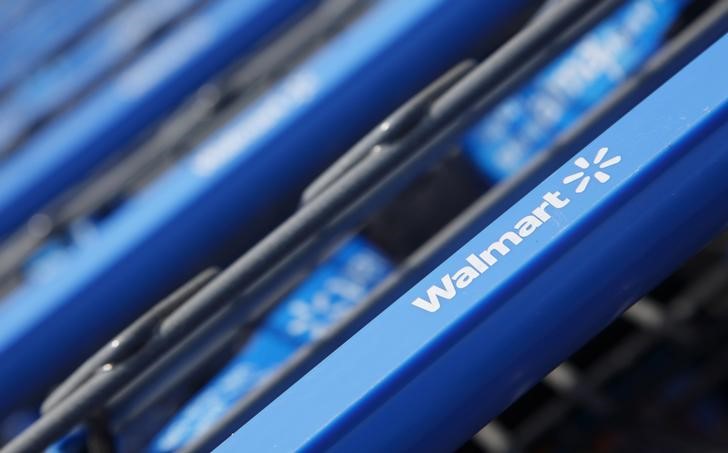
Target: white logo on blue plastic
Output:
[(595, 169), (477, 263)]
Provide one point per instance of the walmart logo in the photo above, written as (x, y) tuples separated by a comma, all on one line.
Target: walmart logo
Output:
[(595, 168), (477, 263)]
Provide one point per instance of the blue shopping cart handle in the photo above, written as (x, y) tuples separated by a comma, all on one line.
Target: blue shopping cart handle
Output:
[(528, 290), (109, 119), (161, 235)]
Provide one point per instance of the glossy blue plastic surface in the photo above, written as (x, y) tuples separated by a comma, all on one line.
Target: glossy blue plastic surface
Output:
[(156, 240), (111, 117), (423, 380)]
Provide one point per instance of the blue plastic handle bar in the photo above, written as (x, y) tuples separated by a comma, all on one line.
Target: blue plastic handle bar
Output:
[(528, 290), (336, 286), (64, 78), (143, 93), (161, 237), (518, 128)]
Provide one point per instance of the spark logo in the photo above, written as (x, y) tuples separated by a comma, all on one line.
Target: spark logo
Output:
[(478, 263), (584, 165)]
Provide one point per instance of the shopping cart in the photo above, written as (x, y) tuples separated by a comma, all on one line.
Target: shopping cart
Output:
[(481, 271)]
